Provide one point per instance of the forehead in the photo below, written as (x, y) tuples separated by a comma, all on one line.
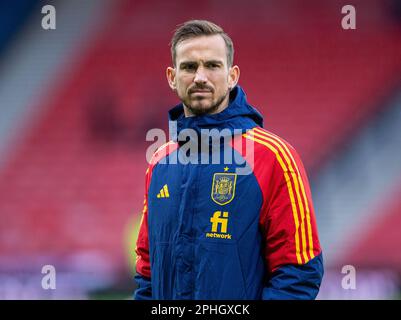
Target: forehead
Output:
[(202, 48)]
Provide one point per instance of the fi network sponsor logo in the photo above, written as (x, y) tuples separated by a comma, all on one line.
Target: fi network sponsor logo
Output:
[(219, 222)]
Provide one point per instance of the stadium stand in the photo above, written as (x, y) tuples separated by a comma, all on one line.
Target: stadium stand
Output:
[(74, 181), (378, 246), (353, 189), (12, 16)]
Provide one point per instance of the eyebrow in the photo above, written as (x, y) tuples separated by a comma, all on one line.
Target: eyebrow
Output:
[(214, 61)]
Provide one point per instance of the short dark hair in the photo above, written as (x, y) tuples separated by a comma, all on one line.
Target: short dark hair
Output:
[(197, 28)]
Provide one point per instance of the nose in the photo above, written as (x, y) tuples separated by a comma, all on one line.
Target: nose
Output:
[(200, 76)]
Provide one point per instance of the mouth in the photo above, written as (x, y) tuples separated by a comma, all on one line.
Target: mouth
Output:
[(200, 91)]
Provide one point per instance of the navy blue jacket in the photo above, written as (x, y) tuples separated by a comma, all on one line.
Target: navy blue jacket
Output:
[(238, 228)]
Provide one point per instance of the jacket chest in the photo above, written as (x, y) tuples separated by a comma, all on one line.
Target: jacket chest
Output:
[(202, 202)]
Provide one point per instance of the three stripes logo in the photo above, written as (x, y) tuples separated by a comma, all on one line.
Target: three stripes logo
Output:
[(163, 192)]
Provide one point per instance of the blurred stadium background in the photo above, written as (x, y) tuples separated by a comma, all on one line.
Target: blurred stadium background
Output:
[(76, 103)]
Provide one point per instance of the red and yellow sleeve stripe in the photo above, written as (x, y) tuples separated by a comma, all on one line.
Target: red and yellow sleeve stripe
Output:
[(301, 211)]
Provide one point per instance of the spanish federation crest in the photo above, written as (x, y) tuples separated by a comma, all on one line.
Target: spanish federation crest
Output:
[(223, 187)]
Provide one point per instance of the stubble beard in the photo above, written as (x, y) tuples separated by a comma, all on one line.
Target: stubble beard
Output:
[(198, 111)]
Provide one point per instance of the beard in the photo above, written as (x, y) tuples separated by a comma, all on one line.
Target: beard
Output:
[(196, 108)]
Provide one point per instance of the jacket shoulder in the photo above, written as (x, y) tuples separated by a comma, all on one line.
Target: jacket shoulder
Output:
[(268, 145), (163, 151)]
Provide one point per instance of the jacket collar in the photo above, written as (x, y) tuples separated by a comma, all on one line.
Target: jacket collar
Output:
[(239, 115)]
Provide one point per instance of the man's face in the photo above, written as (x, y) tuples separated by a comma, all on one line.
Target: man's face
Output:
[(201, 77)]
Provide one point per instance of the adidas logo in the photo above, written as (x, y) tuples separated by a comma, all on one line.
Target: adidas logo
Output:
[(164, 192)]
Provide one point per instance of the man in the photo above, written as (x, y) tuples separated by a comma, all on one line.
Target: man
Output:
[(207, 230)]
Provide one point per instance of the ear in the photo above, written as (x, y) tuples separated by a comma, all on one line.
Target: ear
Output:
[(170, 73), (233, 76)]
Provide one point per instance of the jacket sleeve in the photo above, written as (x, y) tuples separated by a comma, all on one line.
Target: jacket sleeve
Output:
[(143, 275), (295, 282), (292, 251), (144, 288)]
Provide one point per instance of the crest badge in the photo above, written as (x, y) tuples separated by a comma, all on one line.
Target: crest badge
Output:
[(223, 187)]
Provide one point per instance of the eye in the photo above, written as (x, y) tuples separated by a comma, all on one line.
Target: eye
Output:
[(189, 67), (213, 65)]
